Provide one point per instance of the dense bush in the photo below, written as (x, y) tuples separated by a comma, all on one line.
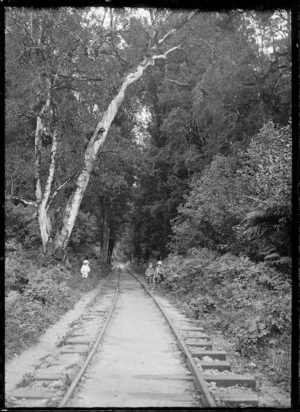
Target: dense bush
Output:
[(242, 203), (249, 302), (42, 287), (21, 225), (85, 230), (25, 321), (18, 268), (47, 292), (40, 297)]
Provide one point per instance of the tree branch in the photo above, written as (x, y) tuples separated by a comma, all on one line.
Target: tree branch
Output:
[(121, 60), (179, 25), (57, 190), (38, 158), (177, 82), (164, 55), (23, 201), (65, 87), (64, 153), (25, 29), (74, 79), (27, 48), (255, 199), (51, 167)]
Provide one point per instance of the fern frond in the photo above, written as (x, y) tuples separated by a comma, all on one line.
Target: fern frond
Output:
[(267, 215), (272, 256), (253, 216), (285, 260)]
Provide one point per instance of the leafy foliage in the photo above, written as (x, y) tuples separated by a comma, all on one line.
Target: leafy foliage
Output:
[(85, 230), (250, 303), (41, 300), (267, 163), (203, 106), (42, 287), (37, 295), (267, 176), (242, 203), (21, 225), (206, 100), (24, 323)]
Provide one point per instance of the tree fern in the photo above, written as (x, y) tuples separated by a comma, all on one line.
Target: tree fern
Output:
[(271, 223)]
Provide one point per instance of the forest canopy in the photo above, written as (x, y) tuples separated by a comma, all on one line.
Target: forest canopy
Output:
[(164, 130)]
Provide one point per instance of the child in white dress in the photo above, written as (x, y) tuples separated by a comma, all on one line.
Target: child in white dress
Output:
[(85, 269)]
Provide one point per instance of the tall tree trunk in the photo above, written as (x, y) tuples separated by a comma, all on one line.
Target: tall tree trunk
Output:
[(105, 238), (111, 244), (44, 225), (42, 197), (107, 245), (139, 244), (101, 131)]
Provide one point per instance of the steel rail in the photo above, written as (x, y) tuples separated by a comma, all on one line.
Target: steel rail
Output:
[(206, 396), (75, 382)]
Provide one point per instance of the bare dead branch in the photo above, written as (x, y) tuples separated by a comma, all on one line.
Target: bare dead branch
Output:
[(58, 189), (164, 55), (23, 201), (177, 82)]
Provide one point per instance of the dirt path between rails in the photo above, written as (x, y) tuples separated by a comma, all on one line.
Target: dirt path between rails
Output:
[(137, 353), (27, 360)]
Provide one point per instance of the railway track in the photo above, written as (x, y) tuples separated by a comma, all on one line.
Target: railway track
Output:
[(96, 362), (225, 387)]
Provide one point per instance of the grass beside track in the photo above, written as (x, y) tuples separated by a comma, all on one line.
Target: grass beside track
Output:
[(51, 291)]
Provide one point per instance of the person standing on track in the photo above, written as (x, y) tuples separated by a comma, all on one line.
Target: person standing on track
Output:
[(149, 274), (85, 269), (158, 276)]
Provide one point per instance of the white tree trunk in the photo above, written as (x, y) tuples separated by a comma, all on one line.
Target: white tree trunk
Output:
[(99, 137), (38, 155), (94, 145), (42, 198), (44, 224)]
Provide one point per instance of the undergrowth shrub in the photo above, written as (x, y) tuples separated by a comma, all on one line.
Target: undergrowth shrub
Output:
[(17, 268), (21, 225), (50, 291), (42, 301), (42, 287), (250, 303), (25, 320)]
